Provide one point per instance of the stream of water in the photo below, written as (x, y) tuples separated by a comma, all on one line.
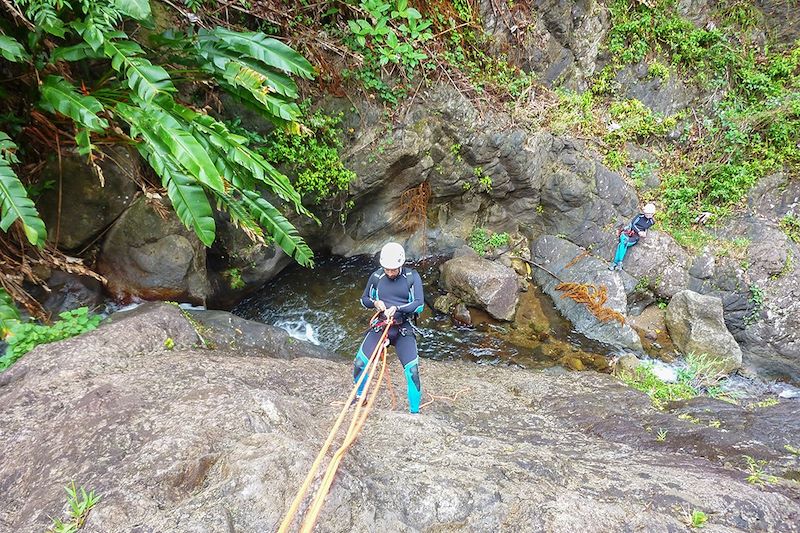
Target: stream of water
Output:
[(322, 306)]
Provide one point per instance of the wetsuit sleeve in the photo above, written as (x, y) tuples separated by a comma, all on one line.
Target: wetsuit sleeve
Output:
[(366, 301), (419, 299)]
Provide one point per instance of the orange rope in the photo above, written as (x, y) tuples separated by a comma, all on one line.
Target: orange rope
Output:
[(352, 432), (367, 373)]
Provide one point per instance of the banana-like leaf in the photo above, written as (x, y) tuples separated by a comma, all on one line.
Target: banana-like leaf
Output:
[(9, 315), (256, 84), (11, 49), (191, 155), (146, 79), (284, 233), (137, 9), (59, 95), (240, 216), (217, 60), (15, 203), (251, 162), (187, 196), (257, 45), (191, 205)]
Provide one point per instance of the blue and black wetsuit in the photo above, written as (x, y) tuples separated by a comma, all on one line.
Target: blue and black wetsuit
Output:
[(405, 293), (630, 236)]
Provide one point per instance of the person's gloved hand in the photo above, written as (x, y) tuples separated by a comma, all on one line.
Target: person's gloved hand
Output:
[(380, 306), (390, 312)]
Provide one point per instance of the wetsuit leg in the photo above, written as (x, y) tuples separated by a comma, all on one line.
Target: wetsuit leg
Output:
[(362, 357), (622, 248), (406, 346)]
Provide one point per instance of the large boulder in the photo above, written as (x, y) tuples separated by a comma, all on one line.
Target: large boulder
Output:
[(88, 203), (174, 437), (152, 256), (557, 260), (660, 262), (482, 283), (696, 326)]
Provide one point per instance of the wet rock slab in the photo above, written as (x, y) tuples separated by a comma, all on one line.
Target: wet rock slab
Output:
[(193, 439)]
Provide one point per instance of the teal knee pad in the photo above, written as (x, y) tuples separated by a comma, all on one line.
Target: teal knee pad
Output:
[(414, 386)]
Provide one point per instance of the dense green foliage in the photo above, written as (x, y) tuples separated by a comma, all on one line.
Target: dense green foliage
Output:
[(25, 336), (136, 99), (753, 130), (310, 157), (483, 241)]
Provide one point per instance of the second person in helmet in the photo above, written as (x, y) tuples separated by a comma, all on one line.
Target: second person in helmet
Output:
[(395, 291), (629, 235)]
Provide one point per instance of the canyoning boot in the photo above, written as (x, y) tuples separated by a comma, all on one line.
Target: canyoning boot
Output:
[(414, 386), (359, 366)]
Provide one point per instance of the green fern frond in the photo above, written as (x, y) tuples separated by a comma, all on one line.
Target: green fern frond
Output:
[(14, 201), (60, 95)]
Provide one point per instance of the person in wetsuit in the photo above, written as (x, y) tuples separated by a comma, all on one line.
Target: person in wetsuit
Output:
[(396, 291), (631, 233)]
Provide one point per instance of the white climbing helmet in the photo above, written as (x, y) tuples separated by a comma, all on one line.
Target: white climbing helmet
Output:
[(392, 256), (650, 209)]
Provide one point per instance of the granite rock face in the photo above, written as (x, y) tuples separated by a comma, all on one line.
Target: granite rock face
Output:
[(219, 440)]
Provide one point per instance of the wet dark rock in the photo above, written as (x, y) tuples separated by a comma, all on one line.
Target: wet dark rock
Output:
[(86, 207), (445, 303), (555, 254), (461, 315), (194, 439), (482, 283), (69, 291), (153, 258), (223, 330), (696, 326)]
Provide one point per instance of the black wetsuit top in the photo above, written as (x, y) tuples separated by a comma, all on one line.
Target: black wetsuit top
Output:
[(638, 224), (403, 292)]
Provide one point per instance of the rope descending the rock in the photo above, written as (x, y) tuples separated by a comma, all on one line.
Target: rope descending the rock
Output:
[(593, 297), (356, 423)]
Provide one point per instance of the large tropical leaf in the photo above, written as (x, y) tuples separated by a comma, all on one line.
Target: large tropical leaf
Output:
[(11, 49), (257, 45), (14, 201), (191, 155), (218, 59), (146, 79), (59, 95), (137, 9), (187, 195), (191, 205), (284, 233)]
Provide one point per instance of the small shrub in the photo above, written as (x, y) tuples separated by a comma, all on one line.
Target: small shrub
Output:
[(25, 336), (755, 472), (790, 225), (80, 503), (482, 240), (698, 519)]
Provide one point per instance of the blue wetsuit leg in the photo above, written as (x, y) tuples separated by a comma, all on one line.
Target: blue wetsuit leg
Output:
[(406, 346), (622, 248)]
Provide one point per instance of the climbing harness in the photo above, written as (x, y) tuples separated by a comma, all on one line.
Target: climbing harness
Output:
[(363, 383)]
